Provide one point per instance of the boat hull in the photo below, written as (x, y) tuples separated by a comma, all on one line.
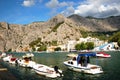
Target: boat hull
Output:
[(51, 75), (103, 55), (24, 63), (46, 71), (90, 69)]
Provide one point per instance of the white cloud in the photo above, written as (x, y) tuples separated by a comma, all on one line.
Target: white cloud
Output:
[(52, 4), (99, 8), (69, 11), (28, 3), (62, 4), (57, 5)]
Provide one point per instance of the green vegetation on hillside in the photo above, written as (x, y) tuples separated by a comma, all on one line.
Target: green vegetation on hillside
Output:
[(55, 27), (53, 43), (58, 49), (41, 46), (99, 35), (110, 36), (37, 43), (115, 38), (84, 46)]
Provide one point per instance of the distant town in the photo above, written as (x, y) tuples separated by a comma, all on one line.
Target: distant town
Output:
[(98, 45)]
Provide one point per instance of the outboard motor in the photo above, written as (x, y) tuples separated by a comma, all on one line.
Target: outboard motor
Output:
[(16, 61), (56, 70)]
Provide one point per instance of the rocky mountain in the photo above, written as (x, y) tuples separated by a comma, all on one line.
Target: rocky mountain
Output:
[(97, 24), (59, 28)]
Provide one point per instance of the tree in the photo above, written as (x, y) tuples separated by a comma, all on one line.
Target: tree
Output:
[(58, 49), (77, 46), (36, 42), (90, 45), (10, 50), (118, 42), (115, 37), (83, 46), (42, 48), (33, 49), (53, 43)]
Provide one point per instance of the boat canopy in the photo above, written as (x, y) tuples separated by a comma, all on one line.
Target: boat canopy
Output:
[(86, 54), (83, 58)]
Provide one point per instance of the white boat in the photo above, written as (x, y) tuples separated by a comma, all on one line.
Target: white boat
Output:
[(103, 55), (2, 55), (81, 64), (26, 61), (10, 59), (71, 55), (47, 71), (13, 60), (7, 58), (28, 55)]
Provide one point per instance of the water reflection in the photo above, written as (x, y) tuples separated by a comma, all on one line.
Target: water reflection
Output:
[(111, 67)]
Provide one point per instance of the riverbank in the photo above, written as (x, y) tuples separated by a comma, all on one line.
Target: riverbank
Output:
[(5, 74)]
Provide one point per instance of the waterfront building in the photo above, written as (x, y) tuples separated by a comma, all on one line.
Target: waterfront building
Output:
[(71, 44), (51, 48)]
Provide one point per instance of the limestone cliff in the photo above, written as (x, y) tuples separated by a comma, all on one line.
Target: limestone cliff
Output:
[(58, 28)]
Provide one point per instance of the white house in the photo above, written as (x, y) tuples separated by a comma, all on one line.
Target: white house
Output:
[(71, 44)]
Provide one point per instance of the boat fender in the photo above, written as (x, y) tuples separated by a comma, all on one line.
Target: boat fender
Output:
[(68, 62), (72, 63)]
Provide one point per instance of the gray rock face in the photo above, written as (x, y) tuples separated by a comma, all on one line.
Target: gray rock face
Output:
[(59, 28), (97, 24)]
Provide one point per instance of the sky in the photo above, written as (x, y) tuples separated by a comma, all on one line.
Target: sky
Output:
[(28, 11)]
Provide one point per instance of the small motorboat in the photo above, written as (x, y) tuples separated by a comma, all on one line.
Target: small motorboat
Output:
[(10, 59), (28, 55), (47, 71), (103, 55), (13, 60), (26, 61), (7, 58), (71, 55), (2, 55), (81, 63)]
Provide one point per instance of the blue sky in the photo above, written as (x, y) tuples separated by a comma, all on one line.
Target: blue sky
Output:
[(28, 11)]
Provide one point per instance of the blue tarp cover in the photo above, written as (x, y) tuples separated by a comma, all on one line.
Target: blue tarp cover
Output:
[(87, 54)]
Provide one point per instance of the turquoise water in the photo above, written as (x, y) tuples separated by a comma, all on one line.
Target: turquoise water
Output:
[(111, 67)]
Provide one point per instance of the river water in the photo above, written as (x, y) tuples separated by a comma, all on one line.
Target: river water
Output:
[(110, 66)]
